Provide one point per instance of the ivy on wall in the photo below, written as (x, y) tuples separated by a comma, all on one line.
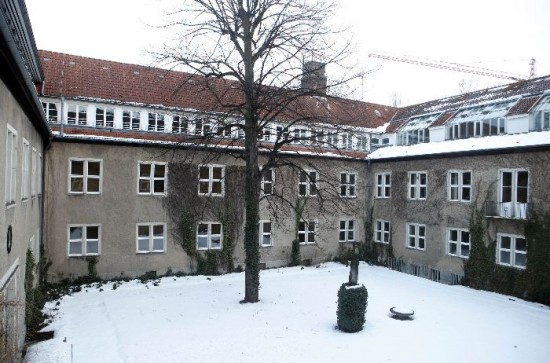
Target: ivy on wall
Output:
[(531, 283), (186, 209)]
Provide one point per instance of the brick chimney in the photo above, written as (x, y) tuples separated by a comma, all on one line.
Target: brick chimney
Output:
[(314, 78)]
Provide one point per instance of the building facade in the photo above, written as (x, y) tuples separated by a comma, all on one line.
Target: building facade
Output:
[(24, 135), (129, 167)]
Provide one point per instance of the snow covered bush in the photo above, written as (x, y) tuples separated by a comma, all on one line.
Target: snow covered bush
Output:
[(352, 306)]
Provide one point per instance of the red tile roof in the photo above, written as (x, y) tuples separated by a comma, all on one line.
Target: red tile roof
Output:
[(443, 118), (523, 105), (73, 76)]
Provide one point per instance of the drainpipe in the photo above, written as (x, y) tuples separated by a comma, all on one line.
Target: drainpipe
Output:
[(61, 110)]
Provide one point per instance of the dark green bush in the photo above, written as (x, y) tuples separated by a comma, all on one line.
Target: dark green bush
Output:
[(352, 306)]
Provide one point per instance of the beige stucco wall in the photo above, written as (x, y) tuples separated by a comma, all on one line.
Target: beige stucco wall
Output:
[(439, 214), (24, 215), (119, 208)]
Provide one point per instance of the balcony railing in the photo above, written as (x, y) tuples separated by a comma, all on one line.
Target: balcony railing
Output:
[(508, 210)]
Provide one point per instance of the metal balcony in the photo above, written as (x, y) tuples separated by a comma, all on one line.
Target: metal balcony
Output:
[(508, 210)]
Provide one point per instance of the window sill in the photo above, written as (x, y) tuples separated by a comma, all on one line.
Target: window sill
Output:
[(10, 205)]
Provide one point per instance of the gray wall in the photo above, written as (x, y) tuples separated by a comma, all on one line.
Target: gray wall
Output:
[(119, 208)]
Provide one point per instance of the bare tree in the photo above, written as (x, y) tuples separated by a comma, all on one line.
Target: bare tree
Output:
[(251, 55)]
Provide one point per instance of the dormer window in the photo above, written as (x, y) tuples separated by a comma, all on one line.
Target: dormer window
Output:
[(76, 115), (156, 122), (104, 117), (541, 118)]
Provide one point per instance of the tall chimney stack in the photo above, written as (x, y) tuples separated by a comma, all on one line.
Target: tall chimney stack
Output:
[(314, 78)]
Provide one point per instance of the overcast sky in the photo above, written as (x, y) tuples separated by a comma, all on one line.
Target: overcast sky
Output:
[(497, 34)]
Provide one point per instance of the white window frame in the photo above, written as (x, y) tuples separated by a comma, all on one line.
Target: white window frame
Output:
[(414, 239), (383, 185), (512, 251), (347, 140), (348, 185), (513, 208), (133, 120), (270, 183), (25, 175), (84, 240), (47, 106), (209, 235), (310, 188), (101, 120), (181, 124), (459, 242), (151, 238), (156, 121), (265, 234), (85, 177), (210, 181), (310, 228), (300, 135), (81, 114), (346, 230), (33, 172), (381, 233), (151, 178), (11, 167), (415, 189), (459, 187)]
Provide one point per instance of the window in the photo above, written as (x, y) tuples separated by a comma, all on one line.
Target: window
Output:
[(266, 239), (383, 185), (211, 180), (512, 250), (25, 169), (347, 185), (209, 236), (85, 176), (33, 172), (362, 142), (460, 186), (412, 137), (417, 185), (130, 120), (156, 122), (202, 127), (458, 242), (84, 240), (542, 121), (268, 177), (104, 117), (416, 236), (307, 232), (150, 237), (333, 140), (152, 178), (300, 136), (513, 193), (308, 184), (51, 109), (11, 166), (347, 230), (76, 115), (347, 141), (382, 231), (180, 125)]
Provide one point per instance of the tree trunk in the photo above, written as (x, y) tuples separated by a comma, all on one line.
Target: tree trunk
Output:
[(354, 267), (252, 181)]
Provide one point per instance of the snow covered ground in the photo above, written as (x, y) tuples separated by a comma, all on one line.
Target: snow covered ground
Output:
[(199, 319)]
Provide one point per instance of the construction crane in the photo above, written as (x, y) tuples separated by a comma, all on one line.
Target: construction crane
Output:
[(457, 67)]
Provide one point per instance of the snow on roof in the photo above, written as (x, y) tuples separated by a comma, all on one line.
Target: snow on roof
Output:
[(464, 145)]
